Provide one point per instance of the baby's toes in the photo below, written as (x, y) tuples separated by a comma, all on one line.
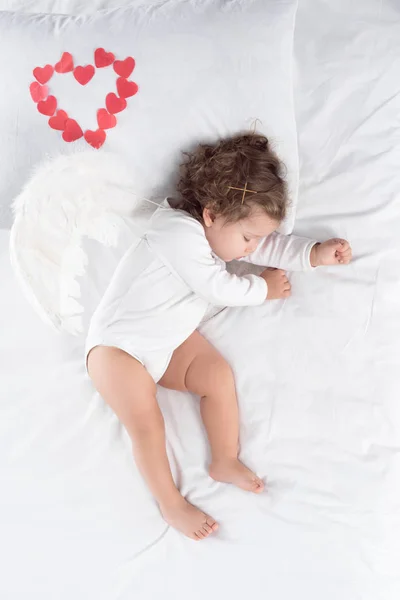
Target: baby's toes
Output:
[(200, 534), (211, 523), (257, 485)]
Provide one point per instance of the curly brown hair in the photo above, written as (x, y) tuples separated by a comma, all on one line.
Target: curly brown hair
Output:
[(212, 170)]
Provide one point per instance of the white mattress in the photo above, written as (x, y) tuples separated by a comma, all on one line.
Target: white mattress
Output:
[(318, 379)]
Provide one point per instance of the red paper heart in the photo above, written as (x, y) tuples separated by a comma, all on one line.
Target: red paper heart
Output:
[(66, 63), (84, 74), (38, 92), (95, 138), (72, 131), (105, 120), (43, 74), (47, 107), (103, 58), (124, 68), (115, 104), (126, 88), (59, 120)]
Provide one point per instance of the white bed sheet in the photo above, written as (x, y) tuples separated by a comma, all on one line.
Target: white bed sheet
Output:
[(318, 380)]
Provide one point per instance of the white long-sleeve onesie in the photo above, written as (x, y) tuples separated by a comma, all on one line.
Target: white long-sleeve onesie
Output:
[(162, 288)]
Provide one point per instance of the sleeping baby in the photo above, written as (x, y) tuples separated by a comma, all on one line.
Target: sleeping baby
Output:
[(231, 200)]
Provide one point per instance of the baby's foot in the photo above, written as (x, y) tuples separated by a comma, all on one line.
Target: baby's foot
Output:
[(231, 470), (188, 519)]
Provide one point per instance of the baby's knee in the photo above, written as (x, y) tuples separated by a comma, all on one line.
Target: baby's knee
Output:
[(144, 421), (207, 373), (223, 370), (218, 374)]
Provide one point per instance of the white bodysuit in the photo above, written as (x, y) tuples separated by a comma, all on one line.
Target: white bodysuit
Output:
[(163, 287)]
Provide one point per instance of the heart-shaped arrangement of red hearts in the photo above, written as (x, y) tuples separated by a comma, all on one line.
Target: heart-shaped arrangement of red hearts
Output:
[(115, 103)]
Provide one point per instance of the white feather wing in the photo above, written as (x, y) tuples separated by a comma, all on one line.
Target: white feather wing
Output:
[(84, 194)]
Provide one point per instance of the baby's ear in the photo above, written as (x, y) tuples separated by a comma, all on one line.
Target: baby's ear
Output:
[(208, 217)]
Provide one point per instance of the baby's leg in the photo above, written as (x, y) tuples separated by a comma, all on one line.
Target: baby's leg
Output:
[(130, 391), (197, 367)]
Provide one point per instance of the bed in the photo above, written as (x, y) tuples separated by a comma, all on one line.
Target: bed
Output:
[(318, 380)]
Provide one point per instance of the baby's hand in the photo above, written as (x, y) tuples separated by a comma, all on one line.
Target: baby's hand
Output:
[(332, 252), (278, 283)]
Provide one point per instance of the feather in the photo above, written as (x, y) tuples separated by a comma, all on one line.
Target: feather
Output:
[(67, 197)]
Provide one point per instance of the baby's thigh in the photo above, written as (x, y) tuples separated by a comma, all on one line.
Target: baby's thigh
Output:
[(122, 381), (195, 367)]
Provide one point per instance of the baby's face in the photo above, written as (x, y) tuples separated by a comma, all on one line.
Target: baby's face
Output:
[(231, 241)]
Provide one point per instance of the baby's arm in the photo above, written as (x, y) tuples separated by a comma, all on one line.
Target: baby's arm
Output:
[(287, 252), (210, 280), (185, 250), (294, 253)]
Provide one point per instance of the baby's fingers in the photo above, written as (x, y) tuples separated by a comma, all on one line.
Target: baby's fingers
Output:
[(344, 257), (344, 244)]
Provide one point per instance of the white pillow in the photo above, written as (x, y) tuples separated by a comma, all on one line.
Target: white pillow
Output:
[(204, 69), (67, 7)]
